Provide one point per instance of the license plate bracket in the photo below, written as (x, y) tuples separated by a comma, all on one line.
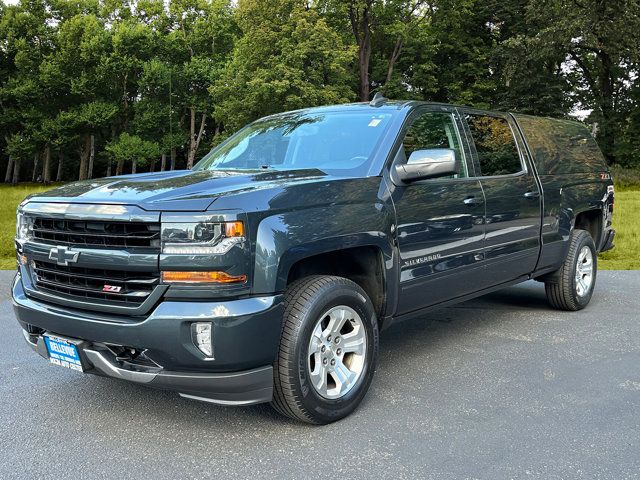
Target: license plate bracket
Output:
[(64, 352)]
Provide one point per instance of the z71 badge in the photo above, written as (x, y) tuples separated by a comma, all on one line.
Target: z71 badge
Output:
[(111, 288)]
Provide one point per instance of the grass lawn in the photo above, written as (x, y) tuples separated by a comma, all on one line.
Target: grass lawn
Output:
[(10, 198), (626, 221)]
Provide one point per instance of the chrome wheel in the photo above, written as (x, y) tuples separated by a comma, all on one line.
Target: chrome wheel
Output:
[(584, 271), (337, 351)]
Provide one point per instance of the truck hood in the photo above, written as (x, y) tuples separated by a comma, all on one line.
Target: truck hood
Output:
[(173, 191)]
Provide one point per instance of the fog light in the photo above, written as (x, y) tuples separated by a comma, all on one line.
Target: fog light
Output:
[(201, 333)]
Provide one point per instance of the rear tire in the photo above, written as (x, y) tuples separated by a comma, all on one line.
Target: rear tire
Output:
[(571, 287), (328, 350)]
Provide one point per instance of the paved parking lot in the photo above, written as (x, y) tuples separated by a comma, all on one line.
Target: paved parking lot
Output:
[(499, 387)]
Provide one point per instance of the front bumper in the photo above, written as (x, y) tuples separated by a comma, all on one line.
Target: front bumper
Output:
[(235, 388), (246, 335)]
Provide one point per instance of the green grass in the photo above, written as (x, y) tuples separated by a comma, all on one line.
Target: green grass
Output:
[(10, 198), (626, 221), (625, 178)]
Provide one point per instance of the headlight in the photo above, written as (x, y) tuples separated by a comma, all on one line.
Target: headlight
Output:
[(213, 238), (24, 227)]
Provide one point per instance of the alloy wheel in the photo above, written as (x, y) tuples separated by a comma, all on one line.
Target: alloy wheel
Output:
[(337, 352)]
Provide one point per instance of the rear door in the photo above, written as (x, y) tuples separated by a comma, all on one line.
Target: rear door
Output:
[(512, 196), (440, 229)]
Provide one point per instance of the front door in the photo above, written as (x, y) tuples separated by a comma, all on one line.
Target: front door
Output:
[(440, 229)]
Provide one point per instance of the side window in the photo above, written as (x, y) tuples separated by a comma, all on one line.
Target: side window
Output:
[(435, 130), (496, 147)]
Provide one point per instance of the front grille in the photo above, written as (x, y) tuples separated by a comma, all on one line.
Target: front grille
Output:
[(88, 284), (97, 233)]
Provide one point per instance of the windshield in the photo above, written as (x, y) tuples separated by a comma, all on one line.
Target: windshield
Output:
[(338, 143)]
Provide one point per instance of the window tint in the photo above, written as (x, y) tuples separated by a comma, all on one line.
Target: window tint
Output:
[(496, 147), (434, 130), (561, 146)]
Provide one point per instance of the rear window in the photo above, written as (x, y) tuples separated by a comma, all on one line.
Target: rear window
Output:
[(561, 146), (495, 145)]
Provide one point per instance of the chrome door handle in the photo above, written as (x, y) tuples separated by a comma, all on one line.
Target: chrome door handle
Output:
[(532, 195), (473, 201)]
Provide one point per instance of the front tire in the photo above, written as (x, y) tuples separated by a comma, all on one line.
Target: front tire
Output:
[(328, 350), (571, 287)]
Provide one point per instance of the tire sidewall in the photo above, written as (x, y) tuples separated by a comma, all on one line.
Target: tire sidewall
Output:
[(584, 241), (323, 409)]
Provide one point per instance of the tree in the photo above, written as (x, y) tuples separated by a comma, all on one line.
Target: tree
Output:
[(131, 148), (202, 44), (601, 44), (288, 58)]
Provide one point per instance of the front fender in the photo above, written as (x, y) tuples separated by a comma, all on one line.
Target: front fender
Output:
[(286, 238)]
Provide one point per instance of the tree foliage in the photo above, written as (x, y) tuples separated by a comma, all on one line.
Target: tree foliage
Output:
[(86, 83)]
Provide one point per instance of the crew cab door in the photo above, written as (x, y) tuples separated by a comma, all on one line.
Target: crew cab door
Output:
[(512, 196), (440, 229)]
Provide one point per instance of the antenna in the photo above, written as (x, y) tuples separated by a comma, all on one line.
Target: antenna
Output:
[(378, 99)]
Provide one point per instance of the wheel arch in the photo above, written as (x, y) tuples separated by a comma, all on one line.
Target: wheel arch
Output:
[(287, 248)]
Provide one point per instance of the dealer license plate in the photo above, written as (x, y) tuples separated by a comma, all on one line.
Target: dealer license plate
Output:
[(63, 353)]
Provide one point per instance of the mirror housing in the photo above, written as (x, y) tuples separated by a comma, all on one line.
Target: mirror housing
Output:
[(431, 163)]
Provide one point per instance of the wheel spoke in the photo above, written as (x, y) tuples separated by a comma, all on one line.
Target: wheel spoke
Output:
[(336, 321), (353, 342), (319, 377), (342, 376), (315, 345)]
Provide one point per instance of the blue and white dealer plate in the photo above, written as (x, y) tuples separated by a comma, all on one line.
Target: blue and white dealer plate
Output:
[(63, 353)]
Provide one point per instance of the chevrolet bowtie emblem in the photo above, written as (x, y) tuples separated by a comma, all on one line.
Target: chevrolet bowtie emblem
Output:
[(63, 256)]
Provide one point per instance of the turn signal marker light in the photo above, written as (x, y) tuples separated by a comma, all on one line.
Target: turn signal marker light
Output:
[(202, 277), (233, 229)]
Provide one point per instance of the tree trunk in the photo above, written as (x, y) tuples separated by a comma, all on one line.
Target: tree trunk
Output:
[(361, 27), (134, 166), (173, 158), (119, 167), (364, 57), (92, 154), (397, 49), (16, 172), (46, 176), (152, 168), (192, 136), (194, 141), (607, 134), (85, 148), (36, 159), (60, 163), (7, 175), (163, 162)]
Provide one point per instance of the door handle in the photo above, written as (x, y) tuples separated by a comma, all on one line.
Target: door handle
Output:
[(473, 201), (532, 195)]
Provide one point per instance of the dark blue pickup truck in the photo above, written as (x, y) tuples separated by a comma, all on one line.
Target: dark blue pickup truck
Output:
[(266, 273)]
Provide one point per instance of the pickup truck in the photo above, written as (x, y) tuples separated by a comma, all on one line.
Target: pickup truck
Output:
[(266, 273)]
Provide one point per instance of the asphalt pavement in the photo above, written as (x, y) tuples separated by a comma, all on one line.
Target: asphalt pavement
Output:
[(498, 387)]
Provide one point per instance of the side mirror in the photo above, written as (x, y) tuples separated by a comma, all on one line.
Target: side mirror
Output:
[(431, 163)]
